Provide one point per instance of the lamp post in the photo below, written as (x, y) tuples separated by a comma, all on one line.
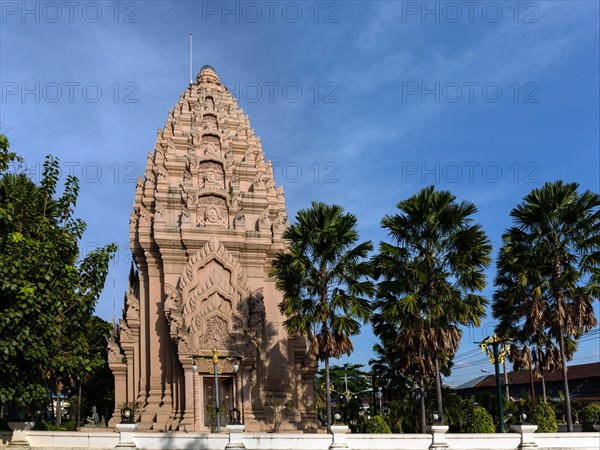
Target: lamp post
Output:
[(236, 368), (496, 349), (215, 367)]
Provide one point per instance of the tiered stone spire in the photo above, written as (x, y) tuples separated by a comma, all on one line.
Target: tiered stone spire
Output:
[(207, 221)]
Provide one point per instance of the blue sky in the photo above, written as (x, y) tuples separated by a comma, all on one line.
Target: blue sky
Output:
[(356, 103)]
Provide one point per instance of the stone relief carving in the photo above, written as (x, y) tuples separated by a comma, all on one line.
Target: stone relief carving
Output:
[(132, 304), (234, 201), (211, 145), (114, 351), (125, 333), (175, 324), (185, 214), (216, 335), (213, 249), (209, 123), (260, 181), (170, 146), (159, 211), (264, 223), (240, 220), (144, 216), (280, 223), (211, 175), (235, 182), (256, 311), (161, 172), (189, 196), (172, 298), (260, 161), (250, 155), (149, 184), (211, 216), (279, 194)]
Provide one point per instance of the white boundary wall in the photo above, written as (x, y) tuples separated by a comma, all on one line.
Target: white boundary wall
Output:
[(178, 441)]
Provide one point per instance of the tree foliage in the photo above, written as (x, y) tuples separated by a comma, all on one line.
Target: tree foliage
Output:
[(47, 290), (543, 416), (348, 384), (590, 416), (324, 278), (480, 421), (375, 425), (429, 278), (549, 272)]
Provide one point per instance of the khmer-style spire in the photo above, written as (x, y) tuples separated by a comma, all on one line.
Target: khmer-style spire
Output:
[(207, 221)]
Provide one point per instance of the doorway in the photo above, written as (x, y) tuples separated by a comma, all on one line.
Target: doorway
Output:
[(225, 401)]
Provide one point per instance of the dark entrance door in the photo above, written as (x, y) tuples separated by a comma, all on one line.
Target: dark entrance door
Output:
[(225, 401)]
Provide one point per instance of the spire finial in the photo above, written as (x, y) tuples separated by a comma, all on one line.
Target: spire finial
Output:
[(191, 80)]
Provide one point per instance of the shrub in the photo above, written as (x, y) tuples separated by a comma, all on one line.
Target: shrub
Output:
[(480, 421), (395, 423), (376, 425), (69, 426), (543, 416), (590, 415), (41, 426)]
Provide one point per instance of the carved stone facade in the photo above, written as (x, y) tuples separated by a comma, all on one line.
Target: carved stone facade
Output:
[(207, 221)]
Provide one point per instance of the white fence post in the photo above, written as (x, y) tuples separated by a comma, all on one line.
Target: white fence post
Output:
[(339, 437), (126, 431), (526, 431), (439, 436), (235, 437)]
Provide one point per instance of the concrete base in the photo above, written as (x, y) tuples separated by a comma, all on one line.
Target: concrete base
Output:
[(126, 431), (235, 437), (19, 436), (339, 437), (526, 431), (439, 436)]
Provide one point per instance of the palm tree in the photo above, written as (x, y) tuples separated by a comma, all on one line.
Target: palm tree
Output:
[(521, 313), (325, 281), (430, 274), (557, 234)]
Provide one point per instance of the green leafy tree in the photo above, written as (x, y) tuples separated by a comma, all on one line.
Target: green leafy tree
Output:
[(348, 384), (543, 416), (480, 421), (590, 416), (47, 293), (376, 425), (430, 274), (555, 254), (324, 278)]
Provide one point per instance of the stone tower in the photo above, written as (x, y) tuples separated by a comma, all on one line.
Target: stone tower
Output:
[(207, 221)]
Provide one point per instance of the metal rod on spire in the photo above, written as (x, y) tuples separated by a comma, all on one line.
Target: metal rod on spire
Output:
[(191, 81)]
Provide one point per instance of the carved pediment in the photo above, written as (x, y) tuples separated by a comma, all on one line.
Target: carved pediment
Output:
[(205, 308)]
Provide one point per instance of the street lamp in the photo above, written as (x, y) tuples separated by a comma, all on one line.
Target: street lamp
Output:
[(127, 414), (499, 350), (380, 397), (234, 415)]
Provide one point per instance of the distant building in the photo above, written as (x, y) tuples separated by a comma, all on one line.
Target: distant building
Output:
[(584, 383)]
